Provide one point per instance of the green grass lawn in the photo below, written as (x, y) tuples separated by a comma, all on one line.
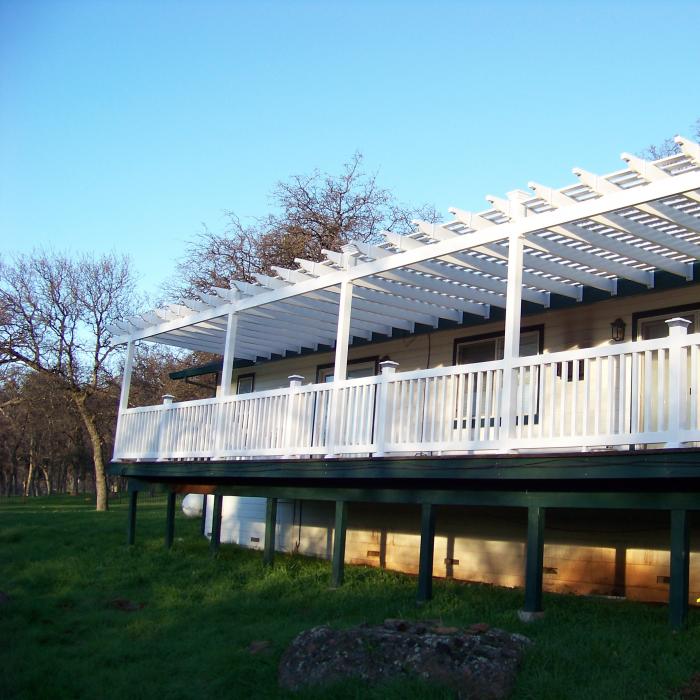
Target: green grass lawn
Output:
[(63, 565)]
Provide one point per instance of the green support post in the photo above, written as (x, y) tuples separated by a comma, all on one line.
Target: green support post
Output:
[(216, 523), (170, 520), (131, 523), (427, 548), (341, 513), (205, 498), (534, 559), (270, 527), (680, 561)]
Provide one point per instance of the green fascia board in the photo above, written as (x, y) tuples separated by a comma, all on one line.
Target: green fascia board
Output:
[(638, 500), (607, 466)]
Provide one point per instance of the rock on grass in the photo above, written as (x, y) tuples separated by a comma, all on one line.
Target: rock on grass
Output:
[(476, 662)]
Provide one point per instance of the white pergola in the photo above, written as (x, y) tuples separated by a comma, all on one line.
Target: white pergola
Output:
[(626, 225)]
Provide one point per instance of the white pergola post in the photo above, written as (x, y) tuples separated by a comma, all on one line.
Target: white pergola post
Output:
[(340, 367), (124, 394), (229, 349), (225, 386), (511, 345), (126, 378)]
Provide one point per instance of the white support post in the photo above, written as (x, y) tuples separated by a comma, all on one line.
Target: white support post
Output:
[(126, 379), (677, 381), (124, 395), (388, 369), (340, 367), (291, 424), (164, 426), (511, 345), (229, 349), (225, 384)]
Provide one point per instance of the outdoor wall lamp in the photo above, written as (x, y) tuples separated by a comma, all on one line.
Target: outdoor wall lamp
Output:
[(617, 330)]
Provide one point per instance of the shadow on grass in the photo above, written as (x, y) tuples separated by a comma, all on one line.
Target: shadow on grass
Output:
[(63, 566)]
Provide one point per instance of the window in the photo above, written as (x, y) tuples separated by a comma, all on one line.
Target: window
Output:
[(487, 348), (245, 384), (653, 324), (490, 347), (366, 367)]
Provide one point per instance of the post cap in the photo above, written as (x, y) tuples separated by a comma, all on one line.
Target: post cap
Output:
[(167, 398), (677, 325)]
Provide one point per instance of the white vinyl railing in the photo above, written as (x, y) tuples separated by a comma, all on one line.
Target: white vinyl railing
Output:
[(641, 393)]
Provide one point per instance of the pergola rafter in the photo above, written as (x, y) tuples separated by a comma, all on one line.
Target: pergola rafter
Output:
[(624, 225)]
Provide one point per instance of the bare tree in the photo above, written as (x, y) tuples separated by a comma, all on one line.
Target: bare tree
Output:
[(315, 212), (54, 313)]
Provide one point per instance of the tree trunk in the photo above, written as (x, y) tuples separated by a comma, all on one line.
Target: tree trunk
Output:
[(47, 478), (96, 443), (30, 471), (75, 474)]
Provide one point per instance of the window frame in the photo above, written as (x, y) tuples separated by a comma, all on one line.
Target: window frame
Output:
[(539, 328), (360, 360), (533, 414), (249, 375), (639, 317)]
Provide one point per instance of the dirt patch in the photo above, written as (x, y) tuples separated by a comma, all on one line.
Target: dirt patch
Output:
[(477, 662), (125, 605), (689, 691)]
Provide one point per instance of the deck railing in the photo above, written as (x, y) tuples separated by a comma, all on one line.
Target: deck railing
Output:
[(639, 393)]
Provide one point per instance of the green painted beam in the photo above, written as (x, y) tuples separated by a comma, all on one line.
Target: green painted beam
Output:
[(610, 465), (680, 569), (689, 500), (534, 559), (216, 524), (338, 574), (427, 550), (270, 527), (203, 524), (131, 521), (170, 520)]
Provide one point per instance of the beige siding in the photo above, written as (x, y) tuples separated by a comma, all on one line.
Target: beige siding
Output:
[(580, 326)]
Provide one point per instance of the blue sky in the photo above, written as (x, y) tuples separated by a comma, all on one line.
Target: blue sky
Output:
[(125, 125)]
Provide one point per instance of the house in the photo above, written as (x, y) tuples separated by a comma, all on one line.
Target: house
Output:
[(426, 403)]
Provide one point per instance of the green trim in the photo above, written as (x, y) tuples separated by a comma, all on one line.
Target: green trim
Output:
[(514, 497), (602, 466), (214, 367)]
